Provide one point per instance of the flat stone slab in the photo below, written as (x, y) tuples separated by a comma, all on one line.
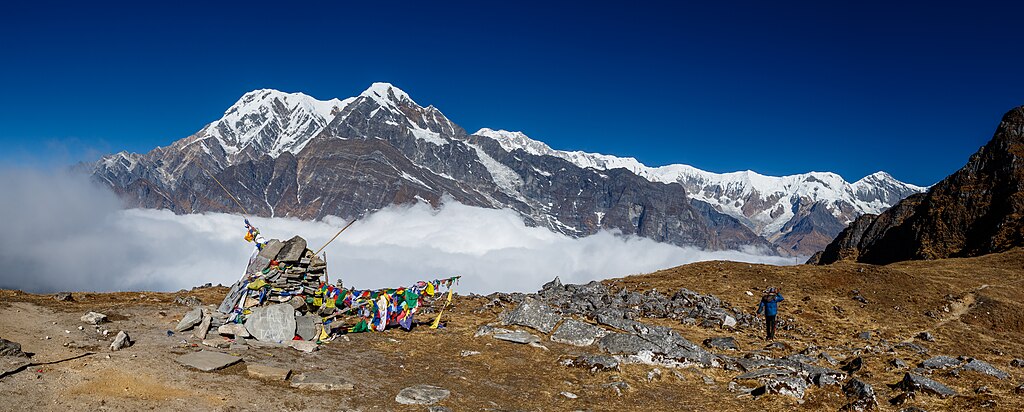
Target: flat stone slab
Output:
[(274, 323), (268, 372), (534, 314), (577, 333), (190, 319), (321, 381), (421, 395), (517, 337), (208, 361), (912, 382), (981, 366)]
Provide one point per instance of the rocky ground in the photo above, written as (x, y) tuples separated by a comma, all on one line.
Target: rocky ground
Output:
[(948, 331)]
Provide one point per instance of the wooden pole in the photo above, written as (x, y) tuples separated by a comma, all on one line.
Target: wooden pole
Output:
[(335, 237)]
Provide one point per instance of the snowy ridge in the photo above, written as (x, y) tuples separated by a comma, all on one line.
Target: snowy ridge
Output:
[(765, 203)]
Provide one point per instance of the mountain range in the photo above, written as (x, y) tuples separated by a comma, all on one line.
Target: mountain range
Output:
[(289, 154)]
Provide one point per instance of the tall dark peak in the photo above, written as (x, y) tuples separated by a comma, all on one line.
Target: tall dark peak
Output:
[(977, 210)]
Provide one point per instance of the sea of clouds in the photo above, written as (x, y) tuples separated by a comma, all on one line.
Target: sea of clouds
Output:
[(65, 233)]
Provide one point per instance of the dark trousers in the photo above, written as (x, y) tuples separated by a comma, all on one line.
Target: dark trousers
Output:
[(769, 327)]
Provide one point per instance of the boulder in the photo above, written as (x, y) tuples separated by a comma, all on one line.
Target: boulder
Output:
[(8, 348), (121, 341), (981, 366), (764, 373), (517, 337), (913, 382), (925, 336), (190, 319), (941, 362), (292, 250), (234, 329), (576, 333), (783, 385), (534, 314), (203, 328), (595, 363), (94, 318), (863, 396), (64, 297), (305, 326), (271, 249), (724, 343), (421, 395), (275, 323)]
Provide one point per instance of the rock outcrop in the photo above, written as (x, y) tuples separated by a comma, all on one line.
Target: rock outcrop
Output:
[(975, 211)]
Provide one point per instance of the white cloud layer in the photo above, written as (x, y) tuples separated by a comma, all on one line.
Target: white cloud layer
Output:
[(64, 233)]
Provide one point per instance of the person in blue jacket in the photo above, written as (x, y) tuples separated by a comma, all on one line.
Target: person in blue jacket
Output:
[(770, 306)]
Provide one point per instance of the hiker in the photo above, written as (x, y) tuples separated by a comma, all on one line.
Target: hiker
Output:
[(770, 306)]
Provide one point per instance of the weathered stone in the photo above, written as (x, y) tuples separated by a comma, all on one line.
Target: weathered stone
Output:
[(914, 382), (438, 409), (234, 329), (1017, 363), (271, 249), (981, 366), (866, 335), (275, 323), (421, 395), (292, 250), (467, 353), (517, 337), (576, 333), (190, 319), (898, 363), (207, 361), (257, 264), (912, 347), (94, 318), (535, 314), (863, 396), (121, 341), (724, 343), (234, 294), (763, 373), (204, 327), (784, 385), (926, 336), (595, 363), (190, 301), (217, 343), (64, 297), (489, 330), (321, 381), (8, 348), (303, 345), (268, 372), (305, 326), (941, 362)]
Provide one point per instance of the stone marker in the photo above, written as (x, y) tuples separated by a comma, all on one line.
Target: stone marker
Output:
[(268, 372), (292, 250), (203, 328), (190, 319), (207, 361), (121, 341), (275, 323), (305, 326), (321, 381), (421, 395), (94, 318)]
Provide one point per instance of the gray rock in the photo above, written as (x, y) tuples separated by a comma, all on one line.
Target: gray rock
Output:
[(304, 345), (926, 336), (783, 385), (1017, 363), (576, 333), (234, 329), (234, 294), (207, 361), (268, 372), (203, 328), (535, 314), (517, 337), (190, 319), (863, 396), (913, 382), (438, 409), (271, 249), (912, 347), (724, 343), (305, 326), (596, 363), (941, 362), (321, 381), (898, 363), (190, 301), (981, 366), (866, 335), (8, 348), (292, 250), (912, 409), (257, 264), (64, 297), (489, 330), (828, 358), (660, 341), (764, 373), (275, 323), (94, 318), (421, 395), (121, 341)]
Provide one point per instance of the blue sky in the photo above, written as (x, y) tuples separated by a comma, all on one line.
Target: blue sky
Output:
[(779, 89)]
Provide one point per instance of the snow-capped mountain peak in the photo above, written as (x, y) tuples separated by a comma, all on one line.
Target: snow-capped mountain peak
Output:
[(387, 95)]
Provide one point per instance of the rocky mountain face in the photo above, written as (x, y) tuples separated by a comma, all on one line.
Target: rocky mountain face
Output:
[(288, 154), (800, 214), (975, 211)]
